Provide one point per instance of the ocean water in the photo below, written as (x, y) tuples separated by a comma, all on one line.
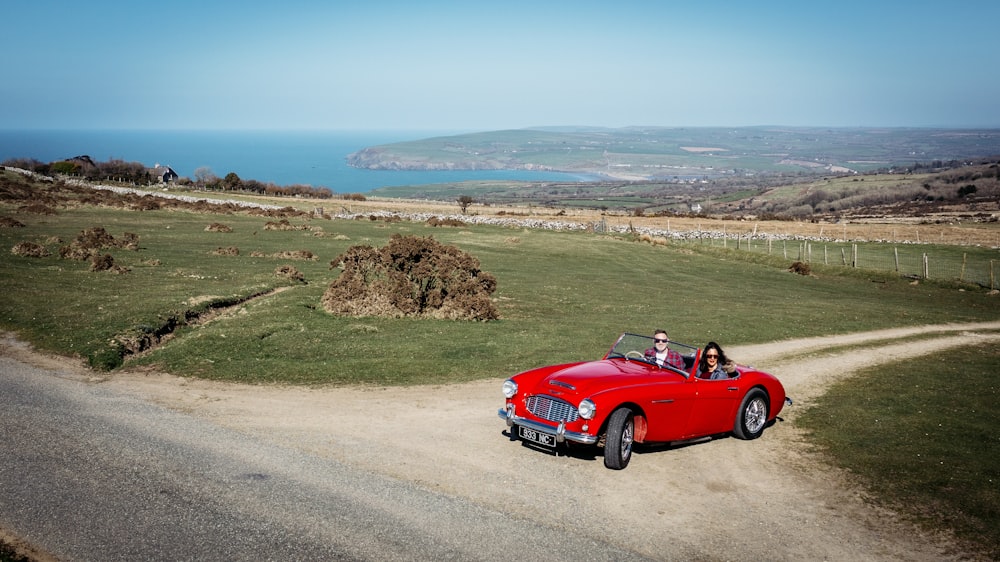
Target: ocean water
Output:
[(316, 158)]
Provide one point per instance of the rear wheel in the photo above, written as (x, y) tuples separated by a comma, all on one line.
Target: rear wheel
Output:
[(618, 442), (752, 415)]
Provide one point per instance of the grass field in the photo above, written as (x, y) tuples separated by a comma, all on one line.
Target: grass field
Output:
[(921, 435), (561, 295)]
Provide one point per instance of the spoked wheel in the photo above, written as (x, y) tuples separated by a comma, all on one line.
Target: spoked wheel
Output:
[(618, 443), (752, 415)]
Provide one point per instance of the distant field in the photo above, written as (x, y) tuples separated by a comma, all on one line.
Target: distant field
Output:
[(663, 153)]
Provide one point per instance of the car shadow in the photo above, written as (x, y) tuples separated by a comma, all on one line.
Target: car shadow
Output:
[(593, 452)]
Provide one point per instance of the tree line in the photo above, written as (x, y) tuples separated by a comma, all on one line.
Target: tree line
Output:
[(136, 173)]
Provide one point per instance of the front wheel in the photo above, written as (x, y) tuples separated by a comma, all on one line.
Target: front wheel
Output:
[(618, 442), (752, 415)]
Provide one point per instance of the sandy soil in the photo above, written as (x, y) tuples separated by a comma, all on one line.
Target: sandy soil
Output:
[(773, 498)]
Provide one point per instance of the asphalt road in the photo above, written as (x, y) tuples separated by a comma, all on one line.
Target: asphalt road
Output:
[(89, 473)]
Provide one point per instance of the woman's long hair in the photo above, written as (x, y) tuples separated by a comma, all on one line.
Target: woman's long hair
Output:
[(703, 362)]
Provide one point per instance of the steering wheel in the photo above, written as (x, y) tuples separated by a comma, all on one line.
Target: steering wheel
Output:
[(634, 355)]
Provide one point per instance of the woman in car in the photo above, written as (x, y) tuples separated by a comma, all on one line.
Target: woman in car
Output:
[(714, 364)]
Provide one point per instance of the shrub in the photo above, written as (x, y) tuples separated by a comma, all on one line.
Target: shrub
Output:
[(411, 276), (434, 221), (229, 251), (29, 249), (290, 272), (801, 268)]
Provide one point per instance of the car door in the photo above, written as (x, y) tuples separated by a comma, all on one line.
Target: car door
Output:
[(713, 404), (668, 408)]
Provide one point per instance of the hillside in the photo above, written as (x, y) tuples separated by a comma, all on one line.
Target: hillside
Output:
[(685, 154)]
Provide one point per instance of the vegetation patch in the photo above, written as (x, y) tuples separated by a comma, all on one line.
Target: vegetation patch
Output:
[(29, 250), (295, 255), (925, 441), (7, 222), (802, 268), (290, 272), (434, 221), (283, 224), (218, 227), (411, 276), (227, 251)]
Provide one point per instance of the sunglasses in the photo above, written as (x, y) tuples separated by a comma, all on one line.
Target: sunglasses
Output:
[(712, 356), (657, 340)]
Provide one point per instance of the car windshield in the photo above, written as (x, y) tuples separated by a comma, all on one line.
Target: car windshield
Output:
[(641, 348)]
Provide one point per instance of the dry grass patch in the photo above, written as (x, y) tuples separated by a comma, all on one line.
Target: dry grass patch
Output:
[(29, 250)]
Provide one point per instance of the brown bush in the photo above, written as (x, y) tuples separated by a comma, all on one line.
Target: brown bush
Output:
[(76, 253), (434, 221), (290, 272), (230, 251), (95, 238), (29, 250), (411, 276), (101, 262), (7, 222), (801, 268), (218, 227), (295, 255), (283, 224)]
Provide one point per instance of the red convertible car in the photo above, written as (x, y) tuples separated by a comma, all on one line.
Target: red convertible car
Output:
[(627, 398)]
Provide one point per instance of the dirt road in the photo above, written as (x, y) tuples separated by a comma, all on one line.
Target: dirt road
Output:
[(725, 499)]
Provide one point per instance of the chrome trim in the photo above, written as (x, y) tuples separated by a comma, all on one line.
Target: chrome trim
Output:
[(562, 384), (558, 430)]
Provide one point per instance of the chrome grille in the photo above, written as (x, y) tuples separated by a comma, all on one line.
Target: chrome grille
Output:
[(550, 409)]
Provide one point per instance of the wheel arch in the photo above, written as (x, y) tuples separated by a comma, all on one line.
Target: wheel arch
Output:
[(639, 419)]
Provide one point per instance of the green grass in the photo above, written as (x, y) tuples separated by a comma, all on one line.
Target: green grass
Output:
[(922, 436), (562, 296)]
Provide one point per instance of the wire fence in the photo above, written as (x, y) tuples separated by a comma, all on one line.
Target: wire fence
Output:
[(973, 265)]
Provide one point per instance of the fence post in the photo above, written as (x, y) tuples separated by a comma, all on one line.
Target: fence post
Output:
[(826, 257), (843, 256), (926, 268), (895, 253), (854, 255), (992, 286), (961, 276)]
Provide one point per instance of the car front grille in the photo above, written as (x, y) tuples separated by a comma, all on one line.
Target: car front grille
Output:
[(551, 409)]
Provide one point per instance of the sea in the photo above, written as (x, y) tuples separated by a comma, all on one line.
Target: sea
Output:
[(314, 158)]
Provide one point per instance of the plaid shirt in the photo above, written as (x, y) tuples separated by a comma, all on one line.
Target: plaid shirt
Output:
[(673, 359)]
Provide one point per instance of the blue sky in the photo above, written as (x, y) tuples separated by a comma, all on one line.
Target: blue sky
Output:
[(478, 65)]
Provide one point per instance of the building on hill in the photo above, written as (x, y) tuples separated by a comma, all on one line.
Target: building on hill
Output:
[(163, 174)]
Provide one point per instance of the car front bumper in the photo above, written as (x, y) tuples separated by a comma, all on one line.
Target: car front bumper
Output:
[(559, 430)]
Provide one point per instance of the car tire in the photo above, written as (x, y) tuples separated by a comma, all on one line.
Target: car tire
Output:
[(752, 415), (618, 441)]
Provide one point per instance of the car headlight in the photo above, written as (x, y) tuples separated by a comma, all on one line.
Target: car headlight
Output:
[(587, 409), (509, 388)]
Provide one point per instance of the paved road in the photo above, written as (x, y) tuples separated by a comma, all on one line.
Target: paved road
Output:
[(88, 473)]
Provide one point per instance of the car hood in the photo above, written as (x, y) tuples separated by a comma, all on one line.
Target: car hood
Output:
[(587, 379)]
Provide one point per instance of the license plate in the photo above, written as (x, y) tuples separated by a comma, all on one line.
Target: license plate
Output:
[(546, 439)]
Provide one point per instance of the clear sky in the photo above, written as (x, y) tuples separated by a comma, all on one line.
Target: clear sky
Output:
[(475, 65)]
